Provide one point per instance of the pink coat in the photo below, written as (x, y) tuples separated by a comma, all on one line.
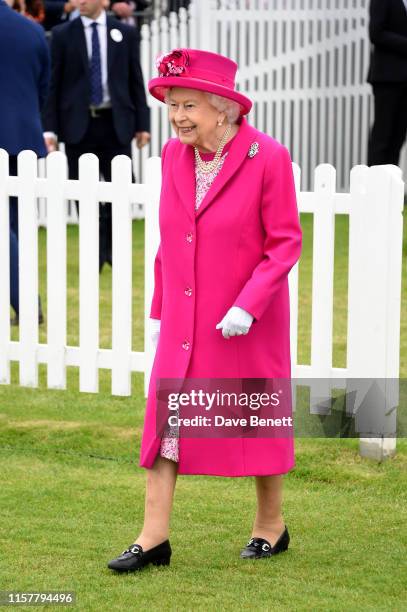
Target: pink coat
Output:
[(237, 250)]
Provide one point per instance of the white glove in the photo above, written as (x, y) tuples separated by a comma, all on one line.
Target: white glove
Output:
[(155, 326), (235, 322)]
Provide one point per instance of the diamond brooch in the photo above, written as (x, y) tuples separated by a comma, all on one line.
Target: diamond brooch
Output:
[(254, 149)]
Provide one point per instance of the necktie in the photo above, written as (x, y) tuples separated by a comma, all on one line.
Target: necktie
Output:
[(95, 69)]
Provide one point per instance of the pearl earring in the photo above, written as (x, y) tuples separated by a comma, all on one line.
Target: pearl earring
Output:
[(220, 123)]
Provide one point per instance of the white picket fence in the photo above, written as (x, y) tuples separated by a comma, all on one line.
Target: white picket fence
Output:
[(303, 62), (57, 189), (374, 206)]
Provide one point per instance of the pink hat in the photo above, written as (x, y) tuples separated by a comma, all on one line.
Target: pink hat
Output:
[(195, 69)]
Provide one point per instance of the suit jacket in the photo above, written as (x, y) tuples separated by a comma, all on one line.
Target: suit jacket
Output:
[(54, 13), (67, 108), (24, 78), (388, 34), (236, 250)]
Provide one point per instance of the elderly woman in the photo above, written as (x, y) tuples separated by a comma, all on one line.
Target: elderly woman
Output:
[(230, 234)]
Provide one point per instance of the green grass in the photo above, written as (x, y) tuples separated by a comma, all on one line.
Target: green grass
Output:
[(72, 494)]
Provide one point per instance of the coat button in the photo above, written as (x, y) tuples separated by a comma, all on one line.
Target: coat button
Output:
[(188, 291), (186, 345), (189, 236)]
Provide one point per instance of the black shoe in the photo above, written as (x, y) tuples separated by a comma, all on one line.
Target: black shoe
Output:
[(257, 548), (134, 557)]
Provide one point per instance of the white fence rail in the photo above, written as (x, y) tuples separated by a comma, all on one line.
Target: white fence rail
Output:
[(303, 62), (57, 189), (373, 205)]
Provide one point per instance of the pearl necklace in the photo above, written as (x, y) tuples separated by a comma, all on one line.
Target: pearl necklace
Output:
[(211, 165)]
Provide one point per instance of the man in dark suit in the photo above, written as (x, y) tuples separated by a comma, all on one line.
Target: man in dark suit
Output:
[(388, 77), (57, 11), (24, 77), (97, 102)]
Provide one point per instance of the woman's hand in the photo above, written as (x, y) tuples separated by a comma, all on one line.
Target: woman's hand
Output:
[(236, 322), (155, 326)]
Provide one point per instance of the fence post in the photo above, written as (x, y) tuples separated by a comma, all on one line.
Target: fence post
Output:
[(375, 238), (88, 273), (28, 267), (322, 288), (56, 270), (121, 276), (173, 31), (183, 27), (202, 34), (156, 110)]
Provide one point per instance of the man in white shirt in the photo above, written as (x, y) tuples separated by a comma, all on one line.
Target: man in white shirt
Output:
[(97, 101)]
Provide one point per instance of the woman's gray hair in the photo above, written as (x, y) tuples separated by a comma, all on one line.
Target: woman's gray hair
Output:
[(223, 105)]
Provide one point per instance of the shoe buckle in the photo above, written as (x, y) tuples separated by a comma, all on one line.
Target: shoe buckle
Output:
[(254, 542), (135, 549)]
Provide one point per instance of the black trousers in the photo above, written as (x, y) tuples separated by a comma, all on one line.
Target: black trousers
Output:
[(389, 129), (100, 139), (14, 292)]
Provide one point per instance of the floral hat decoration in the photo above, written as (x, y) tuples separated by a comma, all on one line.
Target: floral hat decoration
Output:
[(196, 69)]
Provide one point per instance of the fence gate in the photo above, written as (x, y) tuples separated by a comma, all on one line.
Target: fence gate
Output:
[(304, 63), (374, 209)]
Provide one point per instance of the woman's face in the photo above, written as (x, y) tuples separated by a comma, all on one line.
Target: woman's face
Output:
[(194, 119)]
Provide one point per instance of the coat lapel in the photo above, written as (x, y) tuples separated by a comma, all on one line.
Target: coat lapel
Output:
[(112, 46), (79, 41), (184, 171)]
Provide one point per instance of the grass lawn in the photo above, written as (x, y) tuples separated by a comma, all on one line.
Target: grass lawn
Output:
[(71, 493)]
